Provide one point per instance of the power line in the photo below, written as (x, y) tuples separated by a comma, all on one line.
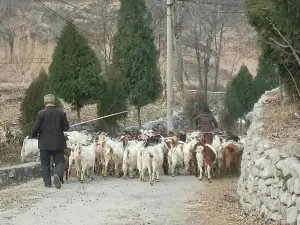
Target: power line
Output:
[(198, 2), (188, 1), (11, 63)]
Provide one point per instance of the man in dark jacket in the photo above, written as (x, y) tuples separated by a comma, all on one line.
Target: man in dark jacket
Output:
[(49, 127), (206, 122)]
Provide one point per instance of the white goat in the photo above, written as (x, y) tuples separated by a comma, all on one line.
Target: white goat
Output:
[(30, 150), (113, 151), (100, 159), (153, 160), (71, 157), (75, 137), (188, 148), (175, 158), (200, 161), (85, 160), (141, 153), (130, 157), (217, 145), (192, 136)]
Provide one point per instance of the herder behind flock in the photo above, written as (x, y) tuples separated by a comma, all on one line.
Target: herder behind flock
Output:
[(49, 127)]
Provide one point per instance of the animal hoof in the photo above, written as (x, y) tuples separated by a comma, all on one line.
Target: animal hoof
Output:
[(143, 180), (124, 178), (209, 181), (151, 183), (131, 177), (157, 180), (200, 179), (173, 175), (81, 181)]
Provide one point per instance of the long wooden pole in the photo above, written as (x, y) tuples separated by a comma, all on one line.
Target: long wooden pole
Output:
[(99, 118)]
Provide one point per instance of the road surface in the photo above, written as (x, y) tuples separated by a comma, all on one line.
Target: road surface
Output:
[(112, 201)]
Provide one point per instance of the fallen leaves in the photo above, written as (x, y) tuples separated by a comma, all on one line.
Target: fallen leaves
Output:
[(280, 124), (218, 204)]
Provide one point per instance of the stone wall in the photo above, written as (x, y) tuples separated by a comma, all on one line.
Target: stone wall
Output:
[(19, 174), (269, 185)]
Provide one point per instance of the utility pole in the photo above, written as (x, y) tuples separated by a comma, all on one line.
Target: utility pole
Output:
[(169, 67)]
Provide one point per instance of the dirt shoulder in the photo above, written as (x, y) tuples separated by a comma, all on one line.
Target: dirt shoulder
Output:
[(217, 204)]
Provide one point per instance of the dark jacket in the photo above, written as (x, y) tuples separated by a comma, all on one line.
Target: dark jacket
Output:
[(49, 127), (206, 122)]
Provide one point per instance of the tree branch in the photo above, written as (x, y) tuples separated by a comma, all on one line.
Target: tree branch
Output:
[(286, 41), (291, 77)]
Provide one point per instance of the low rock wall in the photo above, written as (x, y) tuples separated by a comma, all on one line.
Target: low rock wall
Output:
[(19, 174), (269, 185)]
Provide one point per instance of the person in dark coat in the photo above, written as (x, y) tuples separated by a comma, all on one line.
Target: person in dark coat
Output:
[(49, 127), (206, 122)]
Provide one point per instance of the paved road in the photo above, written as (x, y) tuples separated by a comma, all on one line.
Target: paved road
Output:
[(112, 201)]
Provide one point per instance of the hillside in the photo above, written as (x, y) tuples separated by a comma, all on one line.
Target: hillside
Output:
[(30, 29)]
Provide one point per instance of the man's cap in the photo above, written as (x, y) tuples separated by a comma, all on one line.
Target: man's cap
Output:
[(50, 98)]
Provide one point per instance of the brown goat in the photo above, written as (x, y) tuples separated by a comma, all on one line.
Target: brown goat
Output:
[(67, 153)]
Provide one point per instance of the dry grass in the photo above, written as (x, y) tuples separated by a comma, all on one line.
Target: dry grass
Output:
[(280, 124), (9, 154), (218, 205)]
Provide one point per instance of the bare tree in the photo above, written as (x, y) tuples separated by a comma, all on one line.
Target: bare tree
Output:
[(17, 32), (206, 38), (179, 11), (108, 18), (4, 11), (218, 46)]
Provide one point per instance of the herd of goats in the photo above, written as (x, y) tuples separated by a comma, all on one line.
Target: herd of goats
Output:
[(200, 154)]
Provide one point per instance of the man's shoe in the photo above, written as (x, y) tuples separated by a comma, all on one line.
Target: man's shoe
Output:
[(56, 181), (48, 185)]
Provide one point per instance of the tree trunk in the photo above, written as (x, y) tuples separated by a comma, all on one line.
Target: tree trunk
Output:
[(114, 131), (198, 57), (241, 126), (139, 117), (186, 77), (164, 86), (206, 63), (199, 70), (181, 73), (179, 62), (218, 59), (78, 114), (280, 88)]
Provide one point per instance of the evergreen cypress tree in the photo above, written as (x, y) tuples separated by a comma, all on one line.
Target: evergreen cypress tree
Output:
[(135, 57), (245, 89), (75, 70), (33, 100), (267, 76), (233, 108)]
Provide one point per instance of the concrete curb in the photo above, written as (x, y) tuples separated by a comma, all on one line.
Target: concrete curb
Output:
[(18, 174)]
